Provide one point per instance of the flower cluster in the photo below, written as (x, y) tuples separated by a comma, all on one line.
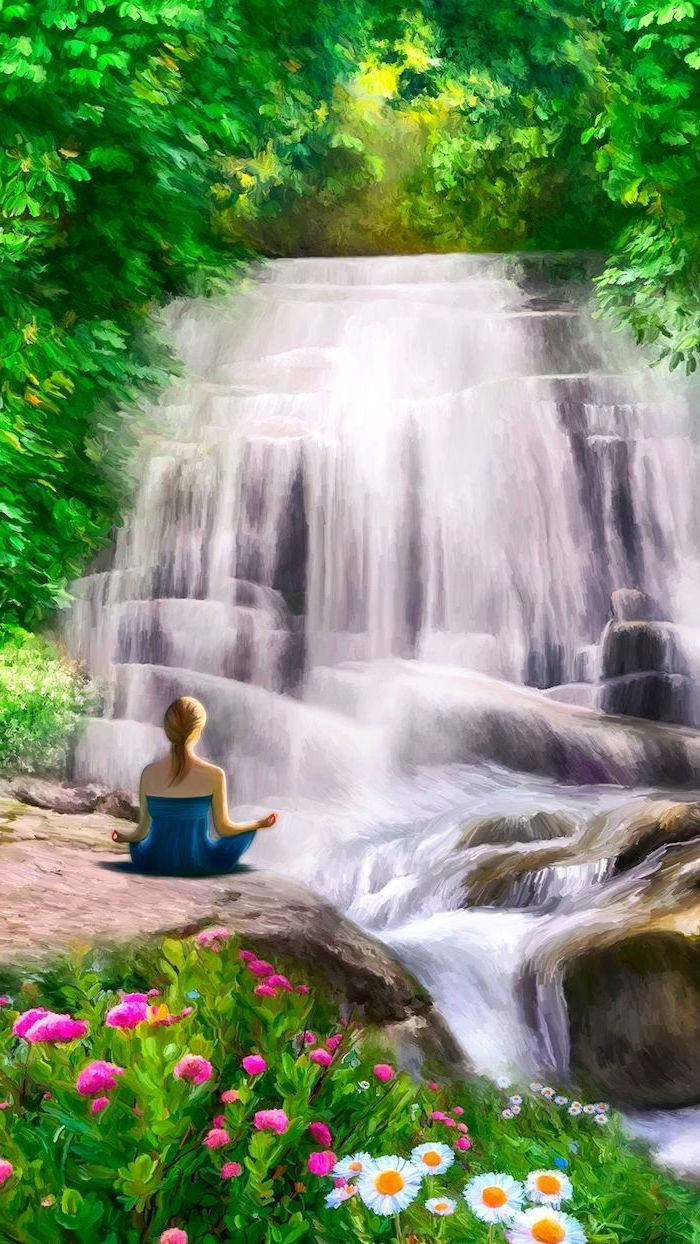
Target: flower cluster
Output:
[(598, 1111)]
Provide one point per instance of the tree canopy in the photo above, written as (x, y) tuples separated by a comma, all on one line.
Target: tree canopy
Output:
[(147, 147)]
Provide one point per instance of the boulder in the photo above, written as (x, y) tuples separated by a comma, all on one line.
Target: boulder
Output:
[(628, 604), (665, 824), (635, 647), (654, 696), (634, 1017), (56, 796), (525, 827)]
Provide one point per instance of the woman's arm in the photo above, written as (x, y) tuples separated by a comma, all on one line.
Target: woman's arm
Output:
[(139, 832), (223, 825)]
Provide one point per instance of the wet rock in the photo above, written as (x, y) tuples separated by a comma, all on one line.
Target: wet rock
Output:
[(657, 826), (653, 696), (628, 604), (634, 1014), (532, 827), (637, 647)]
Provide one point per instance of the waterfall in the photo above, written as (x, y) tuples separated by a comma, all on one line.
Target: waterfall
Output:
[(376, 527)]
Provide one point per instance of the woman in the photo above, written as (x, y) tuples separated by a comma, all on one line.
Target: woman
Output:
[(176, 795)]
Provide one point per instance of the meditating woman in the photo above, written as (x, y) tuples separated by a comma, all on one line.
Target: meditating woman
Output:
[(176, 796)]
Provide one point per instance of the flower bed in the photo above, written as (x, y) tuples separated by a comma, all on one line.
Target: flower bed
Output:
[(196, 1092)]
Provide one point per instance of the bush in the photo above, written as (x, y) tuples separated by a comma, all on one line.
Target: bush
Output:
[(42, 698), (128, 1118)]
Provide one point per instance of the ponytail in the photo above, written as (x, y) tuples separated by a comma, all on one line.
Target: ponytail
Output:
[(183, 722)]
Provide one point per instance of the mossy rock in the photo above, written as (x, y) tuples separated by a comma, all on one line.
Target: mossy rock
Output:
[(634, 1013)]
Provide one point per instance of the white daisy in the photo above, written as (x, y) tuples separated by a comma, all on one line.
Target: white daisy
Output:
[(535, 1087), (575, 1108), (351, 1167), (547, 1092), (494, 1198), (560, 1100), (507, 1113), (545, 1225), (589, 1109), (441, 1206), (339, 1195), (389, 1185), (516, 1109), (515, 1100), (548, 1187), (432, 1159), (503, 1082), (602, 1107), (601, 1119)]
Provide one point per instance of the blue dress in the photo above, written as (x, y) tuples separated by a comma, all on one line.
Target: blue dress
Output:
[(180, 842)]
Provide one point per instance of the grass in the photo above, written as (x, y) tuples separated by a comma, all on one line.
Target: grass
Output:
[(139, 1167)]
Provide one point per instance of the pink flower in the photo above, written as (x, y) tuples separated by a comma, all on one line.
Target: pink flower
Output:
[(230, 1095), (322, 1162), (27, 1019), (265, 991), (254, 1064), (213, 939), (193, 1068), (448, 1121), (271, 1121), (259, 967), (279, 982), (231, 1170), (302, 988), (333, 1042), (53, 1027), (457, 1110), (246, 955), (216, 1138), (5, 1105), (463, 1142), (173, 1236), (186, 1010), (438, 1116), (219, 1120), (127, 1013), (340, 1182), (309, 1038), (432, 1084), (4, 1000), (98, 1076), (136, 997), (320, 1132), (462, 1127), (321, 1057), (384, 1072), (153, 993), (6, 1169), (98, 1105)]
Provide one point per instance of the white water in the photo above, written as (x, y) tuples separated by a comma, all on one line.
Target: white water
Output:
[(379, 481)]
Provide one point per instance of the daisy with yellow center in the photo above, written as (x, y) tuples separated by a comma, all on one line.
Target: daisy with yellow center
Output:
[(494, 1198), (441, 1206), (352, 1167), (544, 1225), (432, 1158), (548, 1187), (389, 1185)]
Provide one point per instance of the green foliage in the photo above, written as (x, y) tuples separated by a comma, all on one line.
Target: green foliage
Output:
[(140, 1165), (42, 699)]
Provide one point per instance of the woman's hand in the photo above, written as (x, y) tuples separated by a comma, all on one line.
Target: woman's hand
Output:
[(269, 821), (117, 837)]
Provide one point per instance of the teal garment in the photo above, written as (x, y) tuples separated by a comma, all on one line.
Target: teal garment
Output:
[(180, 842)]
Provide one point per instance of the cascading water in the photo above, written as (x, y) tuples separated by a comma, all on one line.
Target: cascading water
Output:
[(384, 490)]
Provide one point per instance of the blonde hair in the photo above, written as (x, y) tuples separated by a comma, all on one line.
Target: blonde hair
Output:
[(183, 722)]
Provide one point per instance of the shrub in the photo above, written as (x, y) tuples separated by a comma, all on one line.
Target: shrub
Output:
[(152, 1123), (42, 698)]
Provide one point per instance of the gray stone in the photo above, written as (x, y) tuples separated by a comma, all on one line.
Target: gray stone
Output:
[(638, 647), (654, 696)]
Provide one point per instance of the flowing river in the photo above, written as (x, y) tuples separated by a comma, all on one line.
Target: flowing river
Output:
[(376, 529)]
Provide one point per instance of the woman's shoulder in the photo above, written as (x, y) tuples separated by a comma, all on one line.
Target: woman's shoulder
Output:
[(214, 771)]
